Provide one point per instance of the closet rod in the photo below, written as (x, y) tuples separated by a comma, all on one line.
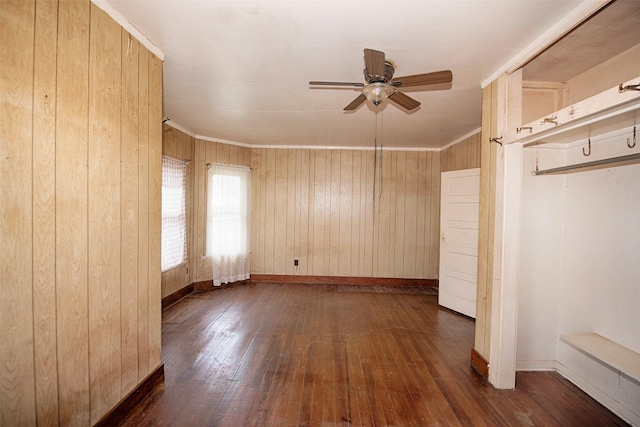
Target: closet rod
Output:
[(628, 159)]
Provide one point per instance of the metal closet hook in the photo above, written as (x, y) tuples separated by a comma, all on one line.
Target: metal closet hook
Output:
[(588, 152)]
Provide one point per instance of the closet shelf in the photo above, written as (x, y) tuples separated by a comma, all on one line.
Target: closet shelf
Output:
[(599, 114), (608, 352)]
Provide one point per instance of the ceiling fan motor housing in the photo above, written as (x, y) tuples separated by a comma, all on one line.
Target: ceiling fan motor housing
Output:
[(389, 69)]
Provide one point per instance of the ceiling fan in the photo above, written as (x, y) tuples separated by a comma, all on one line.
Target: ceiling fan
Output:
[(380, 84)]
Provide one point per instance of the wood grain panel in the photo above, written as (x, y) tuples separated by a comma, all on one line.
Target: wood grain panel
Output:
[(354, 201), (256, 157), (291, 228), (422, 215), (409, 236), (485, 242), (310, 210), (399, 220), (223, 153), (463, 155), (333, 210), (281, 198), (72, 128), (302, 230), (345, 206), (169, 140), (155, 211), (368, 235), (318, 243), (143, 212), (270, 209), (71, 199), (197, 243), (382, 208), (104, 214), (17, 378), (44, 218), (434, 199), (234, 151), (337, 231), (211, 152), (129, 212), (489, 197), (429, 185), (374, 176)]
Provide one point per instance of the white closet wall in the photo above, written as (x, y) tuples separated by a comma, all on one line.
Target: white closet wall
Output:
[(580, 268)]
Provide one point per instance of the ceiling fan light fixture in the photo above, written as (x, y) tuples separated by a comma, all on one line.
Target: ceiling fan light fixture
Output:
[(378, 92)]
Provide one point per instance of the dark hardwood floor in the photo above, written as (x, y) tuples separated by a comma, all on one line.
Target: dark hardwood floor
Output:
[(324, 355)]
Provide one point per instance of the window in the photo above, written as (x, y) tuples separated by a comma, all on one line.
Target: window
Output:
[(174, 218), (228, 202)]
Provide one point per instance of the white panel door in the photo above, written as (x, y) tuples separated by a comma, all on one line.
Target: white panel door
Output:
[(459, 218)]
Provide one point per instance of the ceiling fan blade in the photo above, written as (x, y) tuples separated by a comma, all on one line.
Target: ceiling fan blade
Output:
[(437, 77), (336, 84), (374, 61), (404, 101), (356, 103)]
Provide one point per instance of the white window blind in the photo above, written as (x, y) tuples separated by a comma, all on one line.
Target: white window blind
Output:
[(228, 207), (174, 221)]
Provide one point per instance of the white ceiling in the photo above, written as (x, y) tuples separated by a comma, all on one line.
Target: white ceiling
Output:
[(238, 70)]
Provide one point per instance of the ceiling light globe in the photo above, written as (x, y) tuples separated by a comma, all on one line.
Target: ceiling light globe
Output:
[(378, 92)]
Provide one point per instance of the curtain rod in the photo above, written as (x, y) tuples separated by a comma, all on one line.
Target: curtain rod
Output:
[(228, 165), (620, 161), (186, 161)]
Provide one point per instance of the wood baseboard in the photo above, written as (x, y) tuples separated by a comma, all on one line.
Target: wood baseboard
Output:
[(479, 363), (208, 285), (177, 295), (307, 280), (205, 284), (118, 413), (341, 280)]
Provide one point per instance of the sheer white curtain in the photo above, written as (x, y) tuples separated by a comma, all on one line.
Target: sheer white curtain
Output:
[(174, 218), (228, 205)]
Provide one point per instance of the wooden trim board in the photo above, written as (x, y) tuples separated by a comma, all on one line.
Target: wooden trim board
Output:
[(208, 285), (144, 389), (205, 284), (177, 295), (479, 363), (341, 280)]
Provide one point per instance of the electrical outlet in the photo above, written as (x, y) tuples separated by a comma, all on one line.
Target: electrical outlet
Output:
[(295, 262)]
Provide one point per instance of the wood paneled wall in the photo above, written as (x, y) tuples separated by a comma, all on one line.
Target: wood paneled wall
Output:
[(208, 152), (81, 104), (486, 232), (180, 146), (317, 206), (463, 155)]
